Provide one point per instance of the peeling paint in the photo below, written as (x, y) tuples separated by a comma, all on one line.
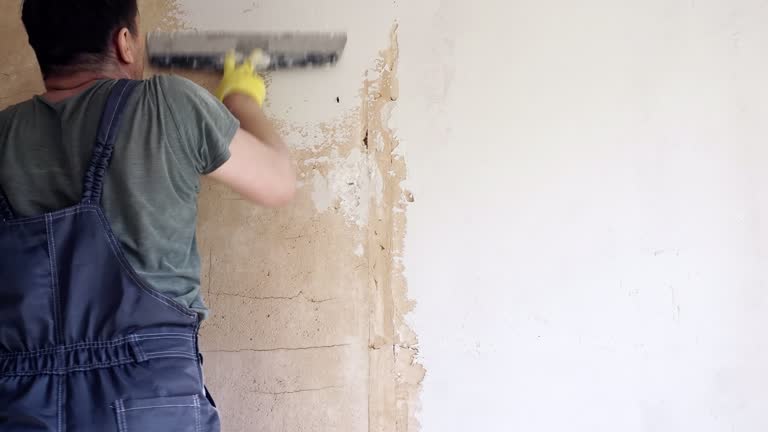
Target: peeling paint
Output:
[(352, 180), (303, 137), (321, 193)]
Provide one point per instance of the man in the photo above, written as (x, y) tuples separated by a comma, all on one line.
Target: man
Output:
[(99, 270)]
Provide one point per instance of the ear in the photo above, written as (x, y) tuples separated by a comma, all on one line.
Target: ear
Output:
[(126, 52)]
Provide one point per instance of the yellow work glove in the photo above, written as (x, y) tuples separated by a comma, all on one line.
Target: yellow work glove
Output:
[(242, 79)]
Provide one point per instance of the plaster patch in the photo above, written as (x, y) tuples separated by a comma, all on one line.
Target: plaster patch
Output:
[(351, 183), (393, 400), (313, 138), (321, 193)]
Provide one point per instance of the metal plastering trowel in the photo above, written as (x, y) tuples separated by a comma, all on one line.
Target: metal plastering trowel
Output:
[(206, 50)]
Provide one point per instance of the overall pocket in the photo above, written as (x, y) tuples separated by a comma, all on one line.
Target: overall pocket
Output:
[(178, 414)]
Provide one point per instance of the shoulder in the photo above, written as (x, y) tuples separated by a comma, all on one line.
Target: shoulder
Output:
[(11, 111), (202, 127), (8, 114), (181, 97), (184, 99), (174, 87)]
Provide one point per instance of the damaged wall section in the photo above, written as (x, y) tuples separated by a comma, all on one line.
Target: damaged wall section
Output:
[(394, 346), (307, 331)]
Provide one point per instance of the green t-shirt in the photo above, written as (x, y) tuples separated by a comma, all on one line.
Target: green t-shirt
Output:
[(173, 132)]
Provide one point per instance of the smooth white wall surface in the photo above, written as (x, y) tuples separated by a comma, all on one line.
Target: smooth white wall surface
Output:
[(587, 243)]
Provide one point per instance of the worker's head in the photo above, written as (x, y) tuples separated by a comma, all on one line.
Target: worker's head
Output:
[(71, 36)]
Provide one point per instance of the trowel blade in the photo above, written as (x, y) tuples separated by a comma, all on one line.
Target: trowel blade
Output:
[(206, 50)]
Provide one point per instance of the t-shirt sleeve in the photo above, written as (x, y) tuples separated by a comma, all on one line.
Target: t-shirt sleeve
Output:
[(205, 127)]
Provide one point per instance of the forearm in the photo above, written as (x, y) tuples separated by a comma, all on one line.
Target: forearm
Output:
[(254, 121)]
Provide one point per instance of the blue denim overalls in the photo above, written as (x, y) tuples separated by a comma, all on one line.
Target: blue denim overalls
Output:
[(85, 344)]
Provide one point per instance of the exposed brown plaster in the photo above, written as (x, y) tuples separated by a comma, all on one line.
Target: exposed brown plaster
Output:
[(165, 15), (19, 70), (288, 303), (266, 387)]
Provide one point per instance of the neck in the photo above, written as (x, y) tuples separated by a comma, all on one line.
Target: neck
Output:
[(60, 87)]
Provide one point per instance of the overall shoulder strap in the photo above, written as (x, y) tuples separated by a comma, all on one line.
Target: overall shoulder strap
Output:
[(93, 184)]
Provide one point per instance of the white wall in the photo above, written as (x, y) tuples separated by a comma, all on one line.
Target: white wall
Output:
[(587, 247)]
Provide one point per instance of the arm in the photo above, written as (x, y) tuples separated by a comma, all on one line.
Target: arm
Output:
[(253, 121), (260, 168)]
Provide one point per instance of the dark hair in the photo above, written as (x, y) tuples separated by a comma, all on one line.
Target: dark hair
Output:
[(75, 34)]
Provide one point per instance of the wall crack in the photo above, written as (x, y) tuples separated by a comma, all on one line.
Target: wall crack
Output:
[(283, 393), (255, 350), (298, 296)]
